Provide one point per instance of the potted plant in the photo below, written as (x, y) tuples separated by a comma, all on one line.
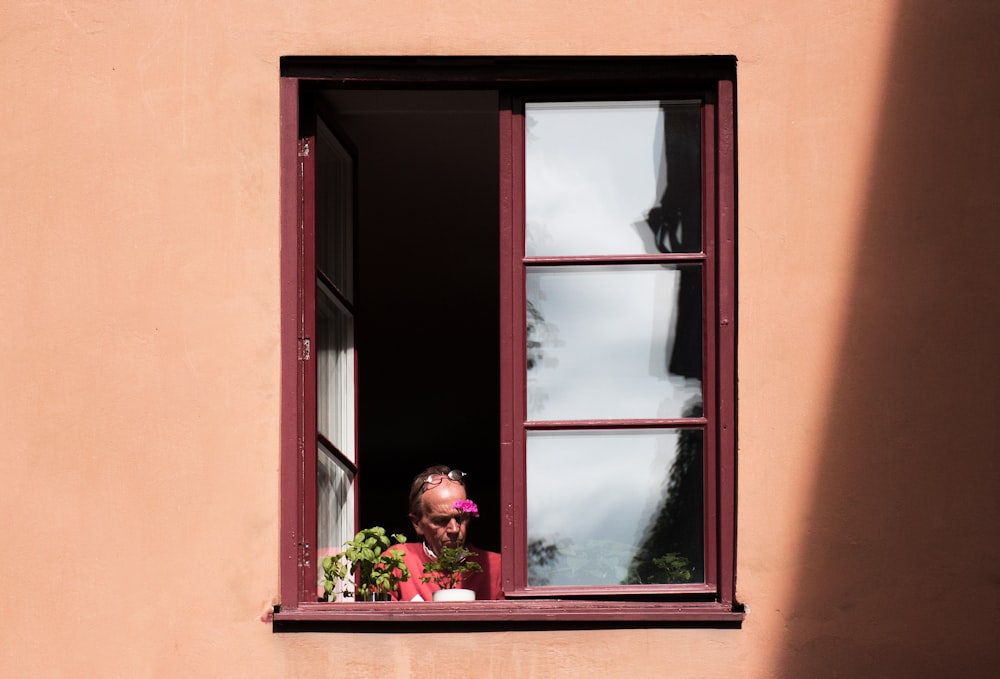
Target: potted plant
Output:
[(448, 569), (369, 563)]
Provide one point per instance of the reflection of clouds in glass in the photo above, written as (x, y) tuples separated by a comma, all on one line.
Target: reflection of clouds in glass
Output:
[(537, 237), (587, 487), (592, 170), (610, 324)]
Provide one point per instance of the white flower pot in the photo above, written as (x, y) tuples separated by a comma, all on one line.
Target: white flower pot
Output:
[(454, 595)]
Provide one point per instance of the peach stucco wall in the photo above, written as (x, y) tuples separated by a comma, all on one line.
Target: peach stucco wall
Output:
[(139, 367)]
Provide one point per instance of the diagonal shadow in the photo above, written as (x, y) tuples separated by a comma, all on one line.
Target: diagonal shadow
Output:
[(900, 571)]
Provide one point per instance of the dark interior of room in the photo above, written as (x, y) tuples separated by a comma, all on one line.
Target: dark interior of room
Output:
[(427, 295)]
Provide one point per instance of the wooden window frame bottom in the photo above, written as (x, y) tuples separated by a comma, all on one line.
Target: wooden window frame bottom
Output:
[(506, 614)]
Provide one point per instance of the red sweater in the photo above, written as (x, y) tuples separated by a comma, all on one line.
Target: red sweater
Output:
[(485, 584)]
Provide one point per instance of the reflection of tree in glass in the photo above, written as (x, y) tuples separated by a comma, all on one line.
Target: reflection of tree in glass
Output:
[(542, 556), (536, 326), (589, 562), (673, 567), (541, 337), (673, 549)]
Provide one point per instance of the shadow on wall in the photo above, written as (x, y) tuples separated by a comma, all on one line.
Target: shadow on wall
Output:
[(900, 572)]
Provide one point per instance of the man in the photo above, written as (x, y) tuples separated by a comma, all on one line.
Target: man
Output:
[(439, 523)]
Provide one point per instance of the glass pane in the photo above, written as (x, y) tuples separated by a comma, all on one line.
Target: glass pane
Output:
[(613, 342), (334, 372), (334, 211), (334, 504), (615, 507), (620, 177)]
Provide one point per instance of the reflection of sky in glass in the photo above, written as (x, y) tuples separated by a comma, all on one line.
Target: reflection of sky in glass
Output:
[(334, 371), (593, 170), (608, 333), (589, 489), (334, 502)]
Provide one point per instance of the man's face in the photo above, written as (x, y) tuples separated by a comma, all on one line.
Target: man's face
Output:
[(441, 524)]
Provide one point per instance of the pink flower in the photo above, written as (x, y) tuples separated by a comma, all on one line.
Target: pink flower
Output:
[(467, 506)]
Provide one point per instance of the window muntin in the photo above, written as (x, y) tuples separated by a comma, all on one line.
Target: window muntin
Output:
[(716, 594)]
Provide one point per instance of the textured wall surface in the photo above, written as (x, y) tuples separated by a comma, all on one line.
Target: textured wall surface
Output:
[(139, 383)]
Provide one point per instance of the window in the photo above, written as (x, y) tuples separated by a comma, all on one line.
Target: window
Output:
[(523, 267)]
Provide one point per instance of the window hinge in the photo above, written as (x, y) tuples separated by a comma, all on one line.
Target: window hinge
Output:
[(303, 148), (305, 348)]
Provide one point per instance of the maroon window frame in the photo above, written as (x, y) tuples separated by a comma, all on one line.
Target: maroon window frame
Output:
[(712, 80)]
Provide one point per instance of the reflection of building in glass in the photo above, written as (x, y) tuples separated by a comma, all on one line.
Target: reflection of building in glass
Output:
[(673, 549), (676, 225)]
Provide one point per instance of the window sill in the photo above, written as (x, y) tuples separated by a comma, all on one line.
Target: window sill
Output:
[(506, 614)]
